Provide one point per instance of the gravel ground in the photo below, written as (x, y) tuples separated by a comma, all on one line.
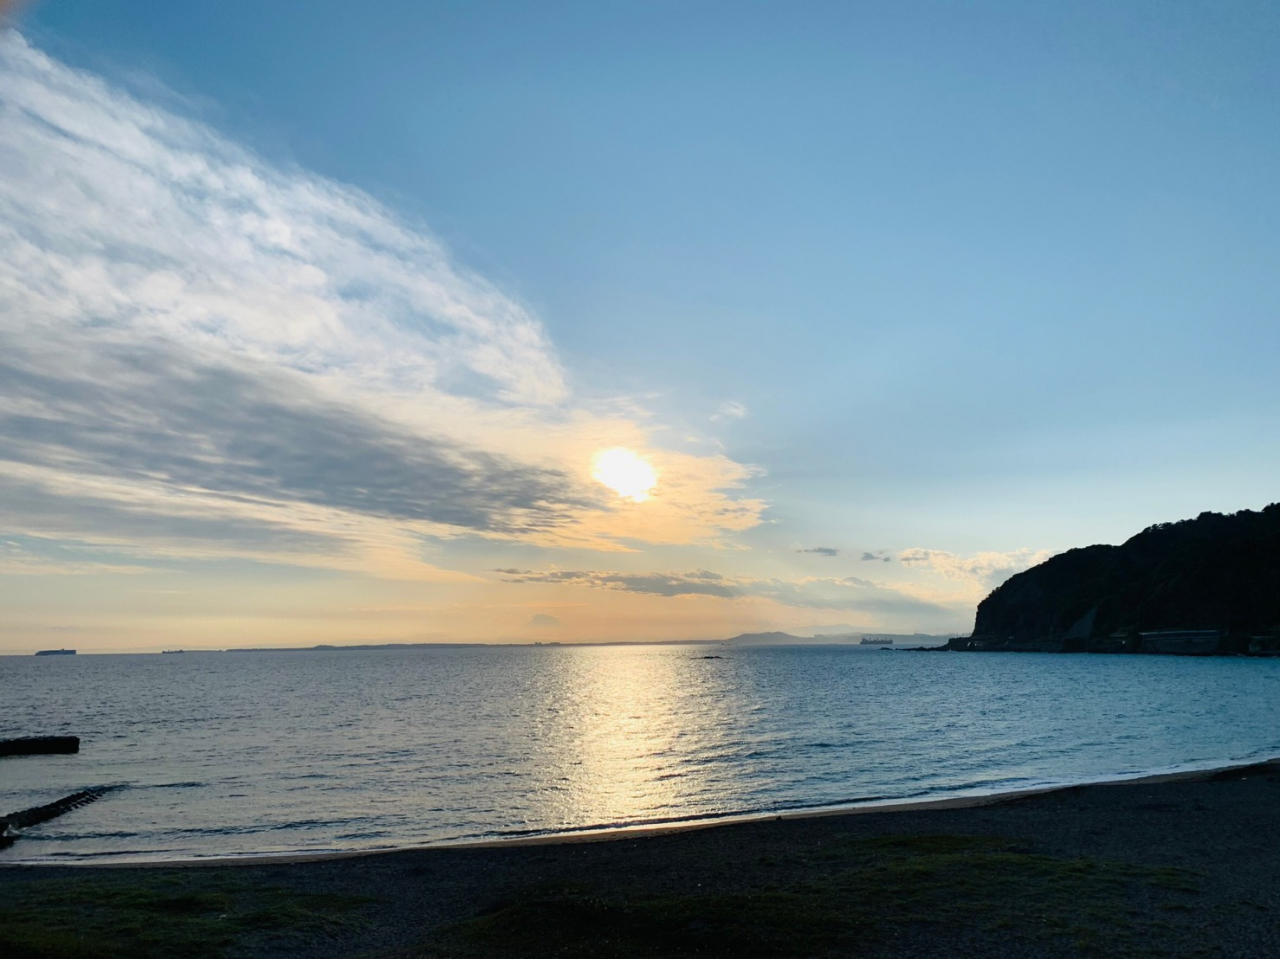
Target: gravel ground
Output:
[(1221, 829)]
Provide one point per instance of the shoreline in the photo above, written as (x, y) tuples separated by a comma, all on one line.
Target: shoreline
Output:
[(1173, 863), (605, 834)]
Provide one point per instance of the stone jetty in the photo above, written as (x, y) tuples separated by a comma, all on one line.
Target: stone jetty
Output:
[(39, 745), (11, 824)]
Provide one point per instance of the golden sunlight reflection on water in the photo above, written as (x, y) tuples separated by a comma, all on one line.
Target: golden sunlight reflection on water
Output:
[(622, 714)]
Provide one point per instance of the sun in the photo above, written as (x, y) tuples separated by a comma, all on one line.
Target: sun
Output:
[(625, 472)]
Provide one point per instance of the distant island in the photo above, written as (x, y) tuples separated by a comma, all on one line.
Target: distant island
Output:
[(1203, 586)]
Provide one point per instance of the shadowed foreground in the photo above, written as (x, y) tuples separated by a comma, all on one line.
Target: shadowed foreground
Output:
[(1184, 868)]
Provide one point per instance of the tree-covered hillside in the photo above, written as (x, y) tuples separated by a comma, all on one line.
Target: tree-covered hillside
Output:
[(1214, 572)]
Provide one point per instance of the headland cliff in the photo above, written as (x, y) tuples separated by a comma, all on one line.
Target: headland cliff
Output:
[(1203, 586)]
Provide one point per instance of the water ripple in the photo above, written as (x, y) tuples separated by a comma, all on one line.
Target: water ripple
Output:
[(232, 755)]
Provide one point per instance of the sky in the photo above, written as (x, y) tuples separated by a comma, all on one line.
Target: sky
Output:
[(564, 322)]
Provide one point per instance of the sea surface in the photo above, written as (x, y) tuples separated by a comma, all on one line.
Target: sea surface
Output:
[(221, 754)]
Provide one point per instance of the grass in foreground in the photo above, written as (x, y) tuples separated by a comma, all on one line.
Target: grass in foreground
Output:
[(854, 898), (168, 915)]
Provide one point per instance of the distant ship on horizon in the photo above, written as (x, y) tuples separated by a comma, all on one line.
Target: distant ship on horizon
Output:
[(873, 641), (170, 652), (55, 652)]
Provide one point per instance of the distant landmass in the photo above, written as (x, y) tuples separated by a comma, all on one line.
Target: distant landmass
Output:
[(1200, 586), (786, 639), (326, 647)]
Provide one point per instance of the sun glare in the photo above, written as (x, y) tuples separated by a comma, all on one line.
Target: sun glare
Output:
[(625, 472)]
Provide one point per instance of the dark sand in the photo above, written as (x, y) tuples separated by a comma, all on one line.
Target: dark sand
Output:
[(1184, 866)]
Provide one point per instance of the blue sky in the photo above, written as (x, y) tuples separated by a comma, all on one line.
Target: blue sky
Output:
[(955, 285)]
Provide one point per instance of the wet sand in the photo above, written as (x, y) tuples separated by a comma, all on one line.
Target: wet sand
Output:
[(1186, 864)]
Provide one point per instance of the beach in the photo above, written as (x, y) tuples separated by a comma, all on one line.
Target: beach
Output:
[(1179, 865)]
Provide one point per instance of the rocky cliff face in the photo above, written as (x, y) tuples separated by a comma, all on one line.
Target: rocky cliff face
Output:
[(1213, 572)]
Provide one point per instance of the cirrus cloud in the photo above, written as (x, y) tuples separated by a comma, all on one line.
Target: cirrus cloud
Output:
[(204, 350)]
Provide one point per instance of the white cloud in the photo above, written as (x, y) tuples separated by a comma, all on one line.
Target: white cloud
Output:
[(729, 410), (203, 350), (123, 215), (983, 571)]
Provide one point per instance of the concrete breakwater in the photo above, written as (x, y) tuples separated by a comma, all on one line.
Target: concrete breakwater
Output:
[(11, 824), (40, 746)]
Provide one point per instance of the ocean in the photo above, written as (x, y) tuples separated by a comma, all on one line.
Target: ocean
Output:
[(224, 754)]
